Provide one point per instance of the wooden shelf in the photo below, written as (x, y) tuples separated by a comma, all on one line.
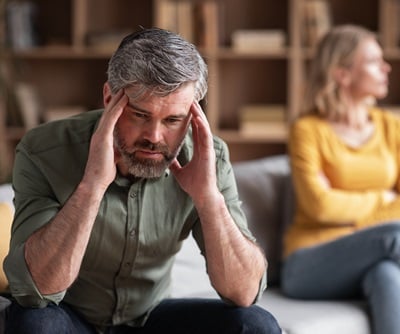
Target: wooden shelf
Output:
[(272, 76), (232, 136)]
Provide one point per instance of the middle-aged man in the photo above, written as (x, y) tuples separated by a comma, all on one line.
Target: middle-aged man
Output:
[(104, 201)]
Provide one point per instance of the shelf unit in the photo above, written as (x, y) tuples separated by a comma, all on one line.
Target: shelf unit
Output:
[(66, 71)]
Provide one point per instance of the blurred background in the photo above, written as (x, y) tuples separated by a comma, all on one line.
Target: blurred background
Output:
[(54, 54)]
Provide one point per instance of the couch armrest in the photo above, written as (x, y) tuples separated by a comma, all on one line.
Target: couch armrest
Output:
[(265, 188)]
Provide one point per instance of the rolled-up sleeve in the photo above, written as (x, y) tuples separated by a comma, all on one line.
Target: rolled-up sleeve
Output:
[(33, 209)]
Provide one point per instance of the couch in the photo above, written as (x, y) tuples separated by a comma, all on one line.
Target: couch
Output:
[(266, 191)]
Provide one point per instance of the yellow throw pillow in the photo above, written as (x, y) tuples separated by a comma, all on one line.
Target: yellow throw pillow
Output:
[(6, 216)]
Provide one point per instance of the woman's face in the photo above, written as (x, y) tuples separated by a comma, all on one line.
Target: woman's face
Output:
[(368, 75)]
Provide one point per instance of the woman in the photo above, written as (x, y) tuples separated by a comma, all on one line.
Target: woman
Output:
[(345, 238)]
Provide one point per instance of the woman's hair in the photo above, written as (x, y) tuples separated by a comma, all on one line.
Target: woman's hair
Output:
[(157, 61), (336, 49)]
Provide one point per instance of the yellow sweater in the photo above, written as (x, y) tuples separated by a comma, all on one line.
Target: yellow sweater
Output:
[(358, 178)]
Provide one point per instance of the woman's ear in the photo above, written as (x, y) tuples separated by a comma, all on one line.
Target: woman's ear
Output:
[(106, 94), (342, 76)]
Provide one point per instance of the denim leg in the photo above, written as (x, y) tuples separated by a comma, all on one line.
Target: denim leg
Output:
[(48, 320), (381, 286), (199, 316), (336, 269)]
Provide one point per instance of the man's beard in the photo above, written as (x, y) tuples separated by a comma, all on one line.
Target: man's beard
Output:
[(145, 168)]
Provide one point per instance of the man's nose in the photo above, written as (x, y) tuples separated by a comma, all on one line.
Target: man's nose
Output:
[(153, 132)]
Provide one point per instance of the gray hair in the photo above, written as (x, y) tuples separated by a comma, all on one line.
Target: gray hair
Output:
[(157, 61)]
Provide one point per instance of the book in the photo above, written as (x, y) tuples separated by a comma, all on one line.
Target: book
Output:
[(176, 16), (258, 40), (207, 23), (185, 20), (262, 113), (165, 14), (29, 104), (277, 130), (263, 120)]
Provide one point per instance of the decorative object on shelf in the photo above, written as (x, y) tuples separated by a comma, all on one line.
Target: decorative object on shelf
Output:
[(317, 20), (21, 22)]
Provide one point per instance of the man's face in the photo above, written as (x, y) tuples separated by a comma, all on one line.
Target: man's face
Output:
[(150, 132)]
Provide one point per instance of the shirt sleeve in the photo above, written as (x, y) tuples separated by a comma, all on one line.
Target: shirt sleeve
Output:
[(321, 203), (227, 186), (34, 207)]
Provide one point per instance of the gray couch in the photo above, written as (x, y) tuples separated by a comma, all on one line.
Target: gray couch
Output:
[(265, 188), (266, 191)]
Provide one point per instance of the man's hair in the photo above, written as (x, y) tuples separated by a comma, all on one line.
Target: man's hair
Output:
[(157, 61), (336, 49)]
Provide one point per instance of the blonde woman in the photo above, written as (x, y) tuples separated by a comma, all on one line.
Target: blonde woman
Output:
[(345, 238)]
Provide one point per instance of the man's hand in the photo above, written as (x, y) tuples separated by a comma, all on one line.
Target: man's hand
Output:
[(234, 263), (101, 165), (198, 178), (54, 253)]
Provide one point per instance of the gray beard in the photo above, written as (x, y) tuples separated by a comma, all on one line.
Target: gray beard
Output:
[(145, 168)]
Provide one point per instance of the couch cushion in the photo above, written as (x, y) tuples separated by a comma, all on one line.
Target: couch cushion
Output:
[(265, 189), (189, 279), (6, 215), (316, 317)]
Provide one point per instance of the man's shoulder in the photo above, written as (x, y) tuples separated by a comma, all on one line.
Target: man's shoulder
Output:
[(73, 130), (220, 147)]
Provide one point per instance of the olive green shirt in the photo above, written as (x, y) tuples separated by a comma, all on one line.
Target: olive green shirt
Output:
[(139, 228)]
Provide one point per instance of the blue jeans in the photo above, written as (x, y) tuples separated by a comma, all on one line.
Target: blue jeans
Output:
[(177, 316), (365, 264)]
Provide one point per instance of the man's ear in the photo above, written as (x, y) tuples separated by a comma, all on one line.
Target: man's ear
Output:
[(106, 94)]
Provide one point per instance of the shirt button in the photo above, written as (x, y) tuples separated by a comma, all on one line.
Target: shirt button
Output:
[(133, 195), (132, 233)]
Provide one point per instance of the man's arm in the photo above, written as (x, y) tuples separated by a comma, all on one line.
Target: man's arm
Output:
[(54, 253), (235, 264)]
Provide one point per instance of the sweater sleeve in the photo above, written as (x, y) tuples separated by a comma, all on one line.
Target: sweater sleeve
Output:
[(308, 148)]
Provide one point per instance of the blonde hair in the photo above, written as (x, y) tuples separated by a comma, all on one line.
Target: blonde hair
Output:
[(335, 49)]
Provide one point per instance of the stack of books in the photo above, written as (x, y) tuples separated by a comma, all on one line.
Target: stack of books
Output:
[(196, 21), (258, 40), (263, 120)]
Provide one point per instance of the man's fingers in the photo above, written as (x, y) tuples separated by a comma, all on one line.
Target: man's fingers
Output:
[(113, 111)]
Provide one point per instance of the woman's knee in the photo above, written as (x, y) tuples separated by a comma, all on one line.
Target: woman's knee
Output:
[(383, 275)]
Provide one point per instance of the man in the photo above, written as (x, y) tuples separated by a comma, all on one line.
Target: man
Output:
[(104, 201)]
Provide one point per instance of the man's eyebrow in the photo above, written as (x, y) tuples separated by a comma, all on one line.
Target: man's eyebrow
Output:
[(133, 106)]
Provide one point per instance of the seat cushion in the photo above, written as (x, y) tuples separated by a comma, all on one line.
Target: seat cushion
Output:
[(316, 317), (264, 186)]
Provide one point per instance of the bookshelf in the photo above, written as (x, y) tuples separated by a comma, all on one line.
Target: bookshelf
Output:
[(77, 37)]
